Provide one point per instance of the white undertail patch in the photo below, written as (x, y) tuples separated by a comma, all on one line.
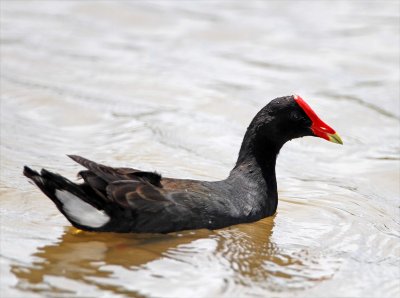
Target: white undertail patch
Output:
[(80, 211)]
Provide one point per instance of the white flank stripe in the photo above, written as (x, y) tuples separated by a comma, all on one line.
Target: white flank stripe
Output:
[(80, 211)]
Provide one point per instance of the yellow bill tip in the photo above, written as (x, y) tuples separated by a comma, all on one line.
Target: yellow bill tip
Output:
[(335, 138)]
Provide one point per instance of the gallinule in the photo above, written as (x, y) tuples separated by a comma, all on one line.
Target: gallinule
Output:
[(130, 200)]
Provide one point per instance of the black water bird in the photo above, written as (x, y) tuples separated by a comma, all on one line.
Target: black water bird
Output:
[(130, 200)]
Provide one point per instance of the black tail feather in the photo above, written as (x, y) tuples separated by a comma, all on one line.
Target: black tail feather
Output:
[(49, 183), (29, 173)]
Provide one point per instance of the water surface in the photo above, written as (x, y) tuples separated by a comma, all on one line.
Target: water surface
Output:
[(171, 86)]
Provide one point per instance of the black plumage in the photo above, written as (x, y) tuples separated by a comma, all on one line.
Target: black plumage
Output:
[(138, 201)]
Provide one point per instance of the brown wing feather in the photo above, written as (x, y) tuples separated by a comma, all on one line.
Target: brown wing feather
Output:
[(137, 195), (96, 183), (110, 174)]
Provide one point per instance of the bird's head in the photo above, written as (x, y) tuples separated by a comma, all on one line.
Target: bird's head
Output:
[(318, 127), (290, 117)]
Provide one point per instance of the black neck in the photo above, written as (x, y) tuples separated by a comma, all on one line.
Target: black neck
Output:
[(256, 162), (257, 154)]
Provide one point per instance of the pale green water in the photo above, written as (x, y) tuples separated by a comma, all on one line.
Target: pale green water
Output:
[(172, 86)]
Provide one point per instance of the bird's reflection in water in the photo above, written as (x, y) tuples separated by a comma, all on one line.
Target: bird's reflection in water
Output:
[(91, 259), (80, 255)]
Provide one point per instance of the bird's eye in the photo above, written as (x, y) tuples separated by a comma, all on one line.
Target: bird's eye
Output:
[(294, 116)]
